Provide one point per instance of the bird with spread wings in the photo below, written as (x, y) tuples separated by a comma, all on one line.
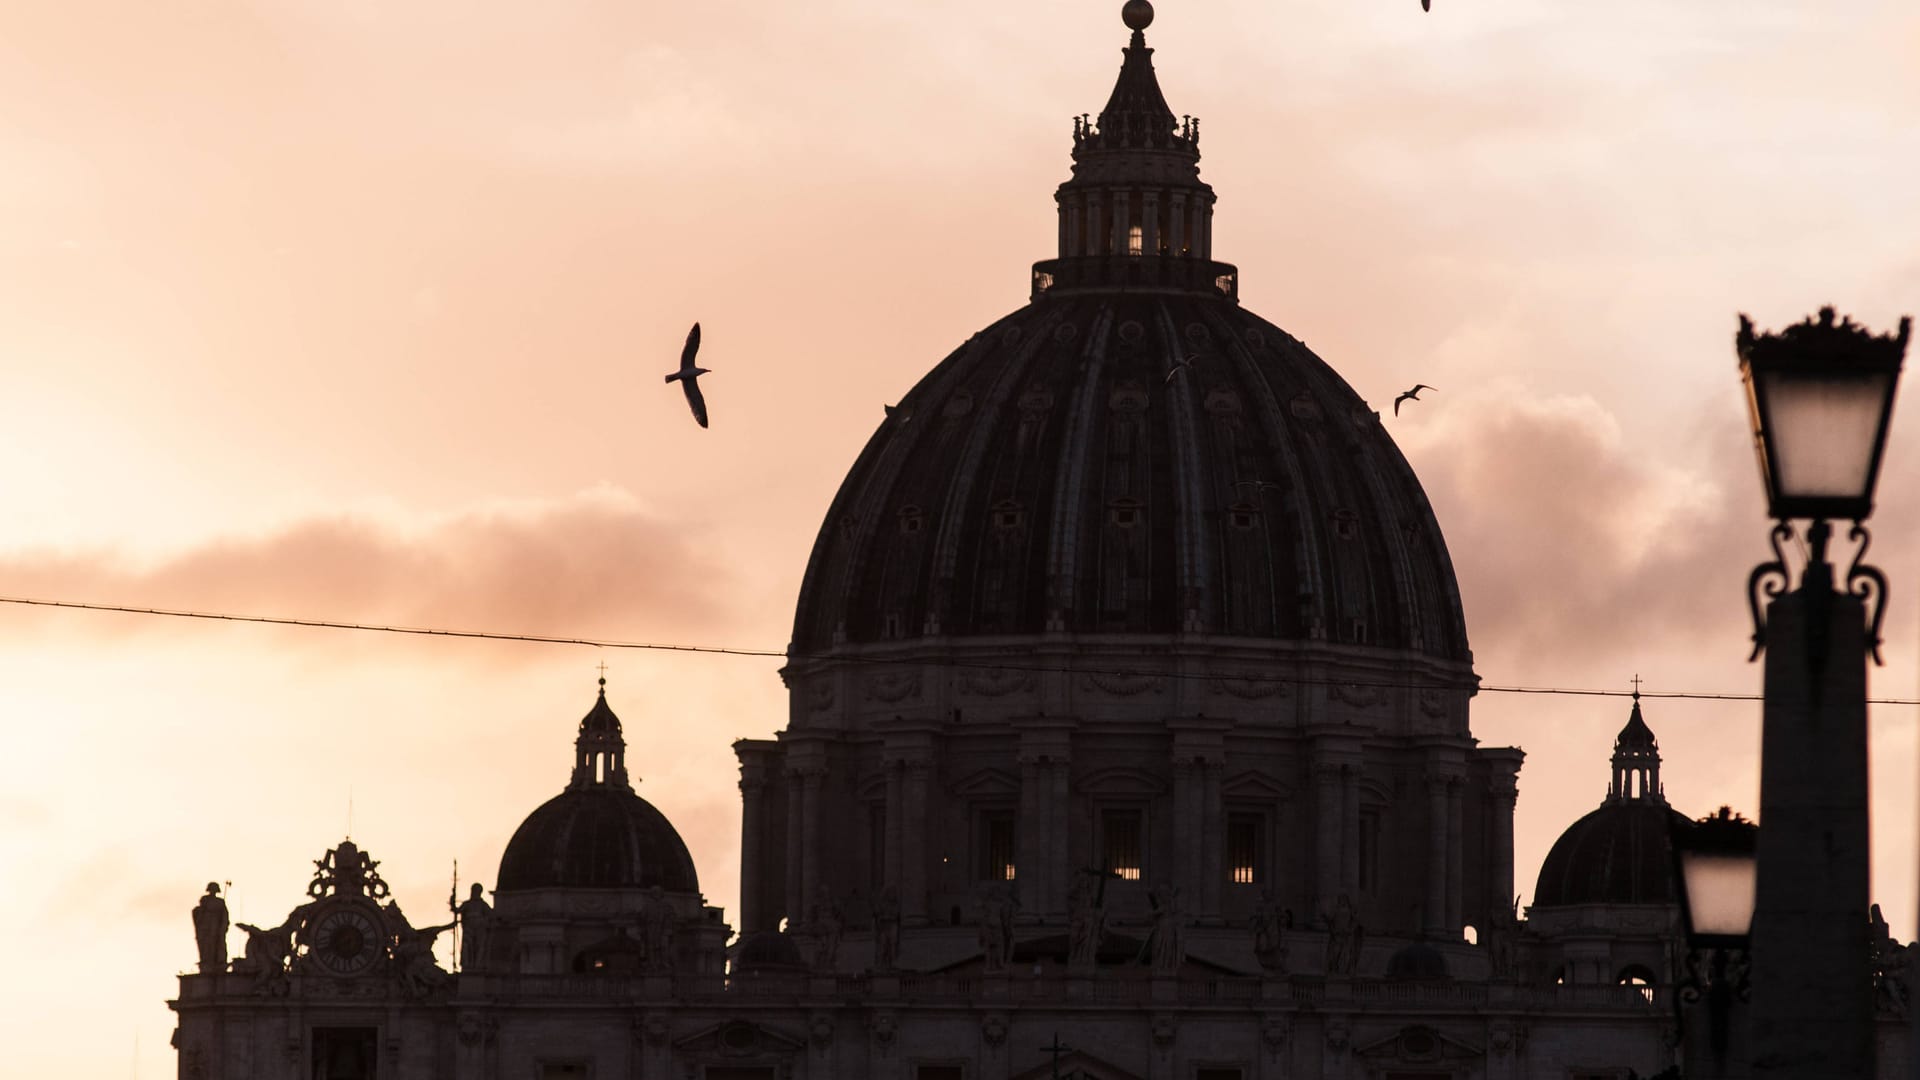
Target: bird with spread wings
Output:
[(689, 376), (1411, 395)]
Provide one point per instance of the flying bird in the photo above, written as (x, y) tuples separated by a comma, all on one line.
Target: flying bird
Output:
[(1178, 367), (689, 376), (1413, 395)]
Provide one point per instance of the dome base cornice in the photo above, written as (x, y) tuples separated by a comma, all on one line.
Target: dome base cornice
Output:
[(1136, 273)]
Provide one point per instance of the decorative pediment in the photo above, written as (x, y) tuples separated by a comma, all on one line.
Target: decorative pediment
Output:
[(988, 783), (1250, 784), (740, 1039), (1077, 1065), (1121, 780), (1418, 1044)]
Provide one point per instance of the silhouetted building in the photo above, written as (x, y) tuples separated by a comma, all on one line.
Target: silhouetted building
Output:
[(1129, 723)]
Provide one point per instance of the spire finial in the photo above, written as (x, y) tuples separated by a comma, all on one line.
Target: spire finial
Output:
[(603, 678), (1137, 14), (1636, 687)]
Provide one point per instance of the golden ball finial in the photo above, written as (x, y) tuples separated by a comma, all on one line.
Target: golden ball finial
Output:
[(1137, 14)]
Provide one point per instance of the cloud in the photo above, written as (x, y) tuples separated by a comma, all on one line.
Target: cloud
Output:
[(1572, 540), (594, 564)]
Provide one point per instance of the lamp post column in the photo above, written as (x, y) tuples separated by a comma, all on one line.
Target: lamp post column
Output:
[(1812, 986)]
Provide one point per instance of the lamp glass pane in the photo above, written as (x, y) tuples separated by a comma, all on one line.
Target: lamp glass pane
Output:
[(1822, 429), (1719, 892)]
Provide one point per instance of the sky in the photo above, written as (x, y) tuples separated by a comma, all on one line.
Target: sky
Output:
[(358, 310)]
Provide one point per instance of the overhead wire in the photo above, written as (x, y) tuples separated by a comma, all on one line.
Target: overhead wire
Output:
[(917, 661)]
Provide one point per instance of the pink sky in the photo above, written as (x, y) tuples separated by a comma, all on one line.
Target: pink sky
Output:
[(358, 310)]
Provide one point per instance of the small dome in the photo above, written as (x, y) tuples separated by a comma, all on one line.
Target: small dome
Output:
[(1417, 960), (597, 838), (1618, 854), (767, 952), (598, 834)]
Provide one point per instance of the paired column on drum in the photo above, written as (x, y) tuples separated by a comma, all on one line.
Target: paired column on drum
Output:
[(1336, 821), (1445, 783), (1199, 820), (1044, 860)]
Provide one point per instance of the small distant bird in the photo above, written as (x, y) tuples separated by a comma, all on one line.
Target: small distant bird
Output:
[(1411, 395), (1178, 367), (689, 376)]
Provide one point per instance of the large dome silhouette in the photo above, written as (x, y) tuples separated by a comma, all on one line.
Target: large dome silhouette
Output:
[(1070, 469)]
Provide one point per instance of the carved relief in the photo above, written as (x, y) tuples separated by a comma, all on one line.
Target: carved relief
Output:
[(1274, 1033), (1355, 694), (1128, 397), (993, 1028), (1222, 402), (1249, 687), (1164, 1028), (958, 405), (1036, 399), (476, 1030), (995, 682), (1304, 408), (1338, 1033), (1198, 333), (1255, 337), (1131, 331), (820, 696), (1123, 683), (820, 1028), (1065, 332), (1010, 335), (652, 1030), (892, 686), (1434, 702)]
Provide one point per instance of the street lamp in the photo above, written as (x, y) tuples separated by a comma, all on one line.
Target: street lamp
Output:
[(1819, 394), (1819, 398), (1714, 872), (1714, 869)]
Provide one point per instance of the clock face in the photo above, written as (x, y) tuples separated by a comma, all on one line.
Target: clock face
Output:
[(345, 942)]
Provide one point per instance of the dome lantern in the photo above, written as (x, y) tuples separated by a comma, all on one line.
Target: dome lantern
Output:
[(1136, 211), (1636, 759), (600, 751)]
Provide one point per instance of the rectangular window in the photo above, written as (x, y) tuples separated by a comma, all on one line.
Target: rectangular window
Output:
[(876, 846), (1247, 849), (345, 1052), (1216, 1072), (1120, 843), (1134, 243), (939, 1072), (996, 846), (563, 1070)]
